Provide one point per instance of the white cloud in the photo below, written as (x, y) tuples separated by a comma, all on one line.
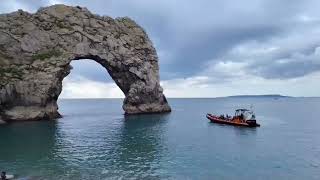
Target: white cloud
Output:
[(81, 87), (52, 2), (307, 19), (220, 71)]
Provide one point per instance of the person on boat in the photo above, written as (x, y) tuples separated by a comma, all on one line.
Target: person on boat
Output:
[(227, 117), (3, 175), (242, 117)]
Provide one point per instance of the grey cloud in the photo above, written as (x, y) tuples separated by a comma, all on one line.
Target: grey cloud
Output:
[(293, 66), (277, 59), (214, 45)]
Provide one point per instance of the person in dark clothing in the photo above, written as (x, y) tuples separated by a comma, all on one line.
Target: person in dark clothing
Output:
[(3, 175)]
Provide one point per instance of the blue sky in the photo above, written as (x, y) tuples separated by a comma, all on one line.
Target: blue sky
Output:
[(211, 48)]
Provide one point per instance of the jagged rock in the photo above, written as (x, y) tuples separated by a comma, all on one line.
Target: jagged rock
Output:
[(36, 51)]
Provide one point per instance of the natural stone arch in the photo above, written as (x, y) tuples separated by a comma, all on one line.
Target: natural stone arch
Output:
[(36, 51)]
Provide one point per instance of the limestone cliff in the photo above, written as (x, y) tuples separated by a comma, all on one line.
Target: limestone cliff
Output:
[(36, 51)]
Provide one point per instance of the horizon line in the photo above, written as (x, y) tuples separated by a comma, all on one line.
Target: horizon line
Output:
[(234, 96)]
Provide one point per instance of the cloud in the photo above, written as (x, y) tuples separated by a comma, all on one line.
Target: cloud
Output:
[(296, 65), (291, 56), (89, 69), (201, 86), (80, 87)]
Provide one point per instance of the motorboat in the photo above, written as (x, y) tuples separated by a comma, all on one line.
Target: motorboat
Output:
[(242, 117)]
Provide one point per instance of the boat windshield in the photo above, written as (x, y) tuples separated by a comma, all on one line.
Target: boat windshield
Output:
[(242, 110), (245, 113)]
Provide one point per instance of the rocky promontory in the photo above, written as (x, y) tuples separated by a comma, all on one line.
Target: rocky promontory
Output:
[(36, 51)]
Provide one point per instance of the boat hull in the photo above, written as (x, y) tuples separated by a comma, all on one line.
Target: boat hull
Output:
[(215, 119)]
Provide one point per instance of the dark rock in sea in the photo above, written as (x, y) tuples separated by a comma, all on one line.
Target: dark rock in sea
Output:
[(36, 51)]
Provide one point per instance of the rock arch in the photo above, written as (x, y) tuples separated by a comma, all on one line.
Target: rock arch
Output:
[(36, 51)]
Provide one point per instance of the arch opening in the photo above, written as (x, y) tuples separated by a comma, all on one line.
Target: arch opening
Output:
[(89, 80)]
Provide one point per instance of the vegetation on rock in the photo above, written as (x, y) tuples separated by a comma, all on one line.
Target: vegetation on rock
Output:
[(46, 55)]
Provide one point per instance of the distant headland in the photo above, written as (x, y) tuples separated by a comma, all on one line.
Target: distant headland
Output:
[(260, 96)]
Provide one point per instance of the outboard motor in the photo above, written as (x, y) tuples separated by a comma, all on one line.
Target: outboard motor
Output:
[(252, 122)]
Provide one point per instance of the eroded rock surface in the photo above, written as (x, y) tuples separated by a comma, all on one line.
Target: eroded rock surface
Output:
[(36, 51)]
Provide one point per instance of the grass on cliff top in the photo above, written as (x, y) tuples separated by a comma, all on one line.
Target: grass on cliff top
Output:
[(46, 55)]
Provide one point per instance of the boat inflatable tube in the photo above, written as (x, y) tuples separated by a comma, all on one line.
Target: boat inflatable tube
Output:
[(8, 176)]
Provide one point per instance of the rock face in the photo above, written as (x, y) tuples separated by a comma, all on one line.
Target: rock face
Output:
[(36, 51)]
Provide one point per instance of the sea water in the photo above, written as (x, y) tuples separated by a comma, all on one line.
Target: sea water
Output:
[(94, 140)]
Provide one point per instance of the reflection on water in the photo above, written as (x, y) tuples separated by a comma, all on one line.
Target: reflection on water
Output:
[(242, 131), (237, 130), (140, 147), (94, 140)]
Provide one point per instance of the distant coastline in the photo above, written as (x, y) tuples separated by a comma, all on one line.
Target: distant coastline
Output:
[(260, 96)]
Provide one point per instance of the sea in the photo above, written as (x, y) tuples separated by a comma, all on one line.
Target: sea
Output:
[(95, 140)]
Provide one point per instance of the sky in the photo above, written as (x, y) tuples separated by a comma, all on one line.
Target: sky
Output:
[(210, 48)]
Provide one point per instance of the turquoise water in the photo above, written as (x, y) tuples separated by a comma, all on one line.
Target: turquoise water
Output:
[(95, 141)]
